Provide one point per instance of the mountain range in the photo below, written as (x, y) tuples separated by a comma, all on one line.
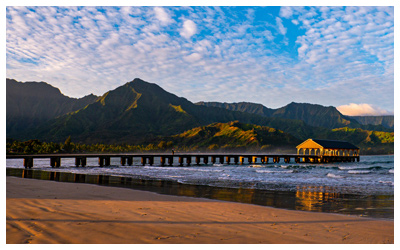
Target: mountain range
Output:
[(312, 114), (30, 104), (139, 112), (385, 120)]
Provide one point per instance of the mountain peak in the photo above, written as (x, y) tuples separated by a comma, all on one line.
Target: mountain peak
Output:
[(304, 104), (141, 85), (139, 81)]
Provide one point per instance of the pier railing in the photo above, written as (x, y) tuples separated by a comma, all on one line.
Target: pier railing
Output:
[(184, 158)]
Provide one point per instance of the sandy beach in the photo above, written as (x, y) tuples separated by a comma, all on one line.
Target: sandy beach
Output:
[(54, 212)]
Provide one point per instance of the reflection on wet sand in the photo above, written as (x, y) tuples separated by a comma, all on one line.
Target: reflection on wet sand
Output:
[(312, 198), (306, 198)]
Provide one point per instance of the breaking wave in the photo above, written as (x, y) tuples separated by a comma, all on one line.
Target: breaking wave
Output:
[(275, 171), (359, 167), (358, 172), (330, 175)]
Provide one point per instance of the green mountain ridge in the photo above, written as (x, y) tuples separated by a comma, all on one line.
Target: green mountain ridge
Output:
[(30, 104), (385, 120), (235, 136), (139, 112), (223, 137), (312, 114), (369, 142), (121, 113)]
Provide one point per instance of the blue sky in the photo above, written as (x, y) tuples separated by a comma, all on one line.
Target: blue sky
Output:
[(333, 56)]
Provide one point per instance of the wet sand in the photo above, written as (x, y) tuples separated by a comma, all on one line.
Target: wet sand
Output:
[(54, 212)]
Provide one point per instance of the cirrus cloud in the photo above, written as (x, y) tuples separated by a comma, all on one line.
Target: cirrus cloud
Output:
[(268, 55)]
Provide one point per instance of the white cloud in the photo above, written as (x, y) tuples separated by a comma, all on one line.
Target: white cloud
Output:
[(228, 61), (192, 57), (189, 29), (281, 28), (162, 15), (302, 50), (362, 109), (335, 52), (286, 12)]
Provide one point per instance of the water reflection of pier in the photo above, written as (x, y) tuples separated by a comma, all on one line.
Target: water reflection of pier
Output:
[(312, 198)]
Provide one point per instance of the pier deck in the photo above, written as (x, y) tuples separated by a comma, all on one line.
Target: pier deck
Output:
[(185, 158)]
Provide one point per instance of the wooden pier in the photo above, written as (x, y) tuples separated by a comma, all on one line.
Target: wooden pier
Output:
[(181, 159)]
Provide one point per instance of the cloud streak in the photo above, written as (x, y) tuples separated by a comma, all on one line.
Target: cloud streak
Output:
[(362, 109), (331, 56)]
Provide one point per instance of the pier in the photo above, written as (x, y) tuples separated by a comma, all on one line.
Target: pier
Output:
[(166, 159)]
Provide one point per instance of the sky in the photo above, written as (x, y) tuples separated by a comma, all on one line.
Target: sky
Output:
[(333, 56)]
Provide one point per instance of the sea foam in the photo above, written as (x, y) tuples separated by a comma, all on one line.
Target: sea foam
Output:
[(334, 175), (275, 171), (358, 172)]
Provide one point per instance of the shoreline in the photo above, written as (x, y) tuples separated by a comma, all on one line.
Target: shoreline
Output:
[(40, 211), (308, 198)]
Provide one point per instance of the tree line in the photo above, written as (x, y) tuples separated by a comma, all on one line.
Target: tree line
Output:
[(39, 147)]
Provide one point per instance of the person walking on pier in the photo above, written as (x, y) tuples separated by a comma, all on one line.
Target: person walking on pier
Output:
[(173, 151)]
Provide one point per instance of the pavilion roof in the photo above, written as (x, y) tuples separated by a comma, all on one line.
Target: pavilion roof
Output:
[(332, 144)]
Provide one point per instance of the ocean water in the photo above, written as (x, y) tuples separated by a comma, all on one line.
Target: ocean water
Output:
[(373, 175), (368, 185)]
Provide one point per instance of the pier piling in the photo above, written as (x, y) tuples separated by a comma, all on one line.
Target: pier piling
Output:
[(188, 160), (162, 161), (213, 159), (143, 160), (180, 161), (105, 159), (77, 161), (101, 161), (130, 161), (123, 160), (52, 162), (83, 161), (170, 160), (80, 161), (28, 162)]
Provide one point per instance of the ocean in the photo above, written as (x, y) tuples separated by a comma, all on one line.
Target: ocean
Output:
[(364, 188)]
